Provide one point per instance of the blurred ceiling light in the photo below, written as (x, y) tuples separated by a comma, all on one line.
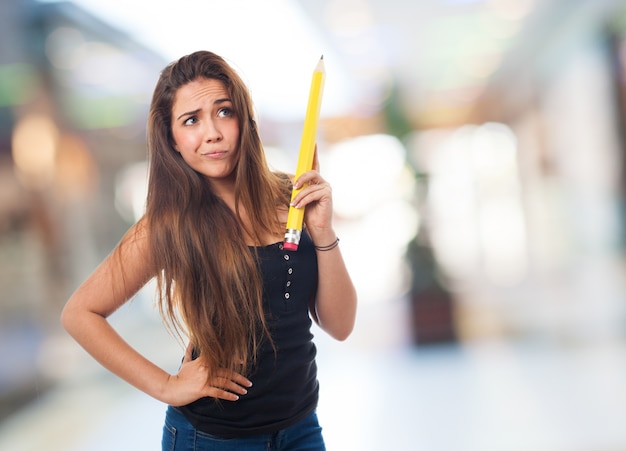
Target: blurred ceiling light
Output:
[(61, 46), (34, 144), (101, 65), (374, 163), (494, 150), (503, 239)]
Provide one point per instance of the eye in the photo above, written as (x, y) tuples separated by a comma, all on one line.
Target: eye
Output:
[(225, 112), (190, 120)]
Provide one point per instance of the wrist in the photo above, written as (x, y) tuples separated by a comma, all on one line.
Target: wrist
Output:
[(164, 392), (321, 236), (327, 247)]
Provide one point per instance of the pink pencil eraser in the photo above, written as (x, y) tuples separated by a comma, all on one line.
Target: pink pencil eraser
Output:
[(290, 246)]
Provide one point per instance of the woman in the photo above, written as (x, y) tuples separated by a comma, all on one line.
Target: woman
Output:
[(212, 237)]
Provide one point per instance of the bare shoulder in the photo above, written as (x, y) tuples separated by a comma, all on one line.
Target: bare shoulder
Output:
[(131, 259), (134, 247), (137, 235)]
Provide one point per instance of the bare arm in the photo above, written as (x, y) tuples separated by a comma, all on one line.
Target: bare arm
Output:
[(336, 301), (335, 305), (118, 278)]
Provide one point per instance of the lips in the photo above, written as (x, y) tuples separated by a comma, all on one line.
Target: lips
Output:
[(215, 154)]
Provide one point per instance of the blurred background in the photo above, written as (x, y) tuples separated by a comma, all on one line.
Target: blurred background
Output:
[(476, 152)]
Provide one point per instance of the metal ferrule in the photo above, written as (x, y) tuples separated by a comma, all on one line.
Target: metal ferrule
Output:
[(293, 236)]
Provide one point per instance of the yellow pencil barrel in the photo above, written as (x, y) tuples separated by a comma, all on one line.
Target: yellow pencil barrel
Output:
[(295, 217)]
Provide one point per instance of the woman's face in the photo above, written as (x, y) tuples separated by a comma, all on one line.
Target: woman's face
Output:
[(205, 129)]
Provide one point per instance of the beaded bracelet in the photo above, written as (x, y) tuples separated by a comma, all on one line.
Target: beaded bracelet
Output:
[(333, 245)]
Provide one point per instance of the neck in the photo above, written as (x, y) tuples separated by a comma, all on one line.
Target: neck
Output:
[(224, 189)]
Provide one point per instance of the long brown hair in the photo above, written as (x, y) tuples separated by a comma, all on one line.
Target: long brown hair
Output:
[(209, 285)]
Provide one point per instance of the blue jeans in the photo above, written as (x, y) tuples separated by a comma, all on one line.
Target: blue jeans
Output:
[(180, 435)]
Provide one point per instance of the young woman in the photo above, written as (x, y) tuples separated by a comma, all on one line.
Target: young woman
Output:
[(212, 237)]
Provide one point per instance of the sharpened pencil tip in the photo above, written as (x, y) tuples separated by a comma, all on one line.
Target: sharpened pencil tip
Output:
[(322, 57)]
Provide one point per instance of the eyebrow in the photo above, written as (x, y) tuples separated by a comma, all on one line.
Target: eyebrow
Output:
[(191, 113)]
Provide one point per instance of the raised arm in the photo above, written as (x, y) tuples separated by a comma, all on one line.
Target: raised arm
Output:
[(335, 305)]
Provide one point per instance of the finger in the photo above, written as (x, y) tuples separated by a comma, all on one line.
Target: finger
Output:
[(226, 389), (235, 378), (222, 394), (311, 177), (241, 380), (313, 193), (230, 386)]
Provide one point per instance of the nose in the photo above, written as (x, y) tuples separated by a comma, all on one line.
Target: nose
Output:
[(212, 132)]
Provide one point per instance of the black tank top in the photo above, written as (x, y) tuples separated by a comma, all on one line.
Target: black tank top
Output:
[(285, 386)]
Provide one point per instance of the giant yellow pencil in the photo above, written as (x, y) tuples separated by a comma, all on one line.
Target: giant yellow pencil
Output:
[(307, 150)]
